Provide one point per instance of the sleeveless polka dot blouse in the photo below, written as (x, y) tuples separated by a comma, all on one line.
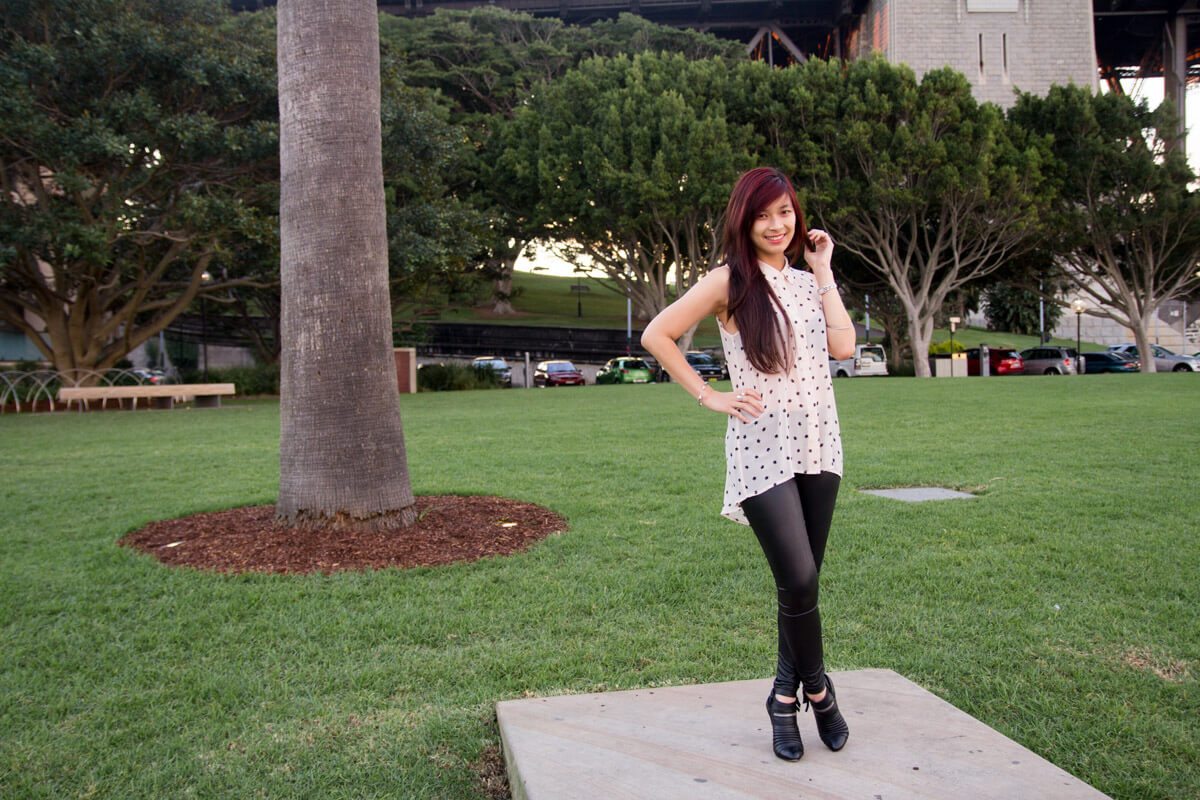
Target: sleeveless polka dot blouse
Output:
[(798, 432)]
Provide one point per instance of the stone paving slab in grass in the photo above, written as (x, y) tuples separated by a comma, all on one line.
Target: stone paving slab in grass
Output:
[(714, 741), (919, 494)]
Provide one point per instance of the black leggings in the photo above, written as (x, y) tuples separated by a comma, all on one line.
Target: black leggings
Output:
[(792, 522)]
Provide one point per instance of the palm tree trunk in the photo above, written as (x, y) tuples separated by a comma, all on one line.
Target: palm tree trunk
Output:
[(341, 450)]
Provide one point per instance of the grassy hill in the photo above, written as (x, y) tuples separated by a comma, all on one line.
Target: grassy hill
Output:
[(549, 300)]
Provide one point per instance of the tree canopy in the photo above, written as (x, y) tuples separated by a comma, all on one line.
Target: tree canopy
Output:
[(486, 63), (633, 159), (1126, 225), (138, 151), (134, 137), (930, 189)]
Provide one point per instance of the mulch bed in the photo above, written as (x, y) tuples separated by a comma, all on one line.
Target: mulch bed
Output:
[(450, 529)]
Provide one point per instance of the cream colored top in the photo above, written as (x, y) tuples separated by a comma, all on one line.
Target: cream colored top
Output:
[(798, 432)]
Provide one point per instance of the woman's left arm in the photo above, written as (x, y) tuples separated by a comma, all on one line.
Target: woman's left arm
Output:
[(839, 328)]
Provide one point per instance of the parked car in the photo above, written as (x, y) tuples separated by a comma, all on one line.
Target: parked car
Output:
[(557, 373), (869, 359), (498, 366), (1001, 361), (1109, 361), (625, 369), (1050, 361), (151, 376), (1164, 359), (706, 366)]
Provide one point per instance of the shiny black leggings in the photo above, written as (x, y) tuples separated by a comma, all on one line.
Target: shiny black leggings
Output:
[(792, 522)]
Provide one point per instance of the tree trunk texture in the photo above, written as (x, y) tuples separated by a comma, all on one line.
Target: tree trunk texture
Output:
[(920, 332), (341, 451), (504, 307), (1141, 335), (502, 287)]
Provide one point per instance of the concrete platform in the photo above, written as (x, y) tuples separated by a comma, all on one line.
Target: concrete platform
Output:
[(714, 741)]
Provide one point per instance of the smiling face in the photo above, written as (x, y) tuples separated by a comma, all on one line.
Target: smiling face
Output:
[(772, 231)]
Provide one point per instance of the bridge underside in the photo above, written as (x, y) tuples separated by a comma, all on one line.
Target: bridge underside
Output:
[(1135, 37), (807, 27)]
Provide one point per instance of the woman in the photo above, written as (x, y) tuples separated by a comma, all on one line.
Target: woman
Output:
[(783, 450)]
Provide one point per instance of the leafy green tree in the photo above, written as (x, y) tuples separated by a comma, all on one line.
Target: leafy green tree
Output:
[(134, 137), (629, 34), (432, 233), (1016, 309), (930, 189), (1126, 226), (633, 159), (342, 460), (486, 63)]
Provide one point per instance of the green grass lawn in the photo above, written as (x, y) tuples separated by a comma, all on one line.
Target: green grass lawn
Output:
[(1060, 606)]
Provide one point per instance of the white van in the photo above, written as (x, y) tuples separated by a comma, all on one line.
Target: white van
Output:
[(869, 359)]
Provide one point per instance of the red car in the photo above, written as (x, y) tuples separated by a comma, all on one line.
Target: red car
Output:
[(1001, 361), (557, 373)]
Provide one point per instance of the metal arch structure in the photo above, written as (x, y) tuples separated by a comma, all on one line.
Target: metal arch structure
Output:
[(42, 385), (1149, 39), (1138, 38)]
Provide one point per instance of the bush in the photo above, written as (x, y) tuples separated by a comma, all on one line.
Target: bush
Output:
[(941, 348), (454, 377), (259, 379)]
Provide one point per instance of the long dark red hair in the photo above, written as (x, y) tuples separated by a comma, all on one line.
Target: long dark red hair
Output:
[(750, 296)]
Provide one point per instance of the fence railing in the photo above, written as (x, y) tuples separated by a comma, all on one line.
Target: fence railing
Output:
[(24, 390)]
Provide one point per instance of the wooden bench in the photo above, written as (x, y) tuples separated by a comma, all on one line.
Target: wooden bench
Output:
[(205, 395)]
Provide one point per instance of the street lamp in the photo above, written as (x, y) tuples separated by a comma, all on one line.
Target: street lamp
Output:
[(205, 277), (1078, 306), (1042, 338), (953, 360), (867, 302)]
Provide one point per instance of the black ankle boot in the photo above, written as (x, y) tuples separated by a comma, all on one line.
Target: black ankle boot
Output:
[(785, 736), (830, 725)]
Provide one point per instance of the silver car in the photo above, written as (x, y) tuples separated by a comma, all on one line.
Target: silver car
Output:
[(498, 366), (1051, 361), (1164, 359)]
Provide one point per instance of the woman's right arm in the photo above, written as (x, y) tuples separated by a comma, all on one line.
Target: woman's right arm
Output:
[(709, 296)]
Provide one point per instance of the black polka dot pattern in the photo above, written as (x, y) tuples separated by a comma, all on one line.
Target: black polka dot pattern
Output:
[(798, 432)]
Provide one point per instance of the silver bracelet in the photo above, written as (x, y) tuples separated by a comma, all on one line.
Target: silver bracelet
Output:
[(829, 287), (839, 328), (700, 394)]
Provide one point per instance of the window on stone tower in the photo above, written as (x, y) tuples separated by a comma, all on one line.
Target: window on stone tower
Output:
[(980, 6)]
